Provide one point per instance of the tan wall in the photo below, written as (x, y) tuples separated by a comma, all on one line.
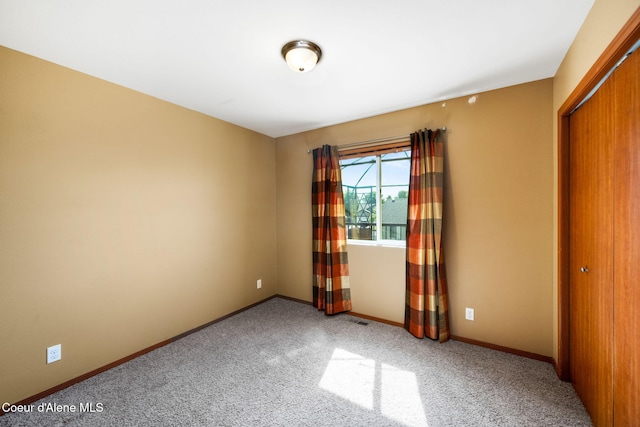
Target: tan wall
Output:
[(124, 221), (603, 23), (498, 215)]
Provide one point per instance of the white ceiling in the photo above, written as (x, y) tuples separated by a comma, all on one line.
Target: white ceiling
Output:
[(222, 57)]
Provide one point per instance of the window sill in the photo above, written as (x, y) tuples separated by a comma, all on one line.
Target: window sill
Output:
[(380, 243)]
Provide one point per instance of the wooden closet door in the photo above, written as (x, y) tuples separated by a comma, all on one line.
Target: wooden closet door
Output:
[(591, 249), (626, 388)]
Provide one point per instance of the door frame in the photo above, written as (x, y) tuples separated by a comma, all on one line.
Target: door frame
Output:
[(620, 45)]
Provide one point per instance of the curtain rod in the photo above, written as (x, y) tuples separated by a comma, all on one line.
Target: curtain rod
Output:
[(378, 141)]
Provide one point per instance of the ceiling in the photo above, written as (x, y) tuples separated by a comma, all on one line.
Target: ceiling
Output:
[(222, 57)]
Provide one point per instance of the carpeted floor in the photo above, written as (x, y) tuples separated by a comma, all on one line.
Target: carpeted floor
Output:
[(283, 363)]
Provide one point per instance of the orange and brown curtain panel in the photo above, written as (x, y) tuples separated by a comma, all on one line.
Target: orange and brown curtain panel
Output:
[(427, 307), (331, 291)]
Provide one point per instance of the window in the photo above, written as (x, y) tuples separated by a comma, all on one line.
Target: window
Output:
[(376, 189)]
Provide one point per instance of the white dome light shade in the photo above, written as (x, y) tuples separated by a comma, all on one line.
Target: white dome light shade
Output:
[(301, 59), (301, 56)]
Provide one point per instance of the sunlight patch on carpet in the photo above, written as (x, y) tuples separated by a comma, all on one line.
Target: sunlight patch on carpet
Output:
[(351, 377), (375, 386), (400, 397)]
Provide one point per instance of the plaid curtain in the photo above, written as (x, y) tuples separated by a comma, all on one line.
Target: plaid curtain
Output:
[(427, 306), (331, 291)]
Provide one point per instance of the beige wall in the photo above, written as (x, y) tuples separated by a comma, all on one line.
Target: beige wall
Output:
[(498, 215), (124, 221), (605, 20)]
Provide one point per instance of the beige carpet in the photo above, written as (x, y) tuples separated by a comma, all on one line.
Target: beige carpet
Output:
[(283, 363)]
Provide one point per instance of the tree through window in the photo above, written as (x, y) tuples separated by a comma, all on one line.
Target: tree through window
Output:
[(375, 195)]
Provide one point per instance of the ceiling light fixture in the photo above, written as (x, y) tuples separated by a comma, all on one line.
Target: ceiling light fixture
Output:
[(301, 55)]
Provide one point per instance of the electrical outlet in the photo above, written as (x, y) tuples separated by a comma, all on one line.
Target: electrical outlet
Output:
[(259, 283), (54, 353), (469, 313)]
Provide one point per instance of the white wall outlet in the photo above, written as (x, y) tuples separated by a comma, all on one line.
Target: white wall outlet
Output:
[(469, 313), (259, 283), (54, 353)]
